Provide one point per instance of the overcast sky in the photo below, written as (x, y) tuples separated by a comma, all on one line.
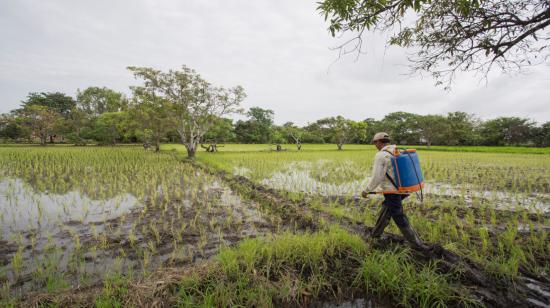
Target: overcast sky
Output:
[(279, 51)]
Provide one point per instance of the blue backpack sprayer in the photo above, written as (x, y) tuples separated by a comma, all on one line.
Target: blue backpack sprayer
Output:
[(407, 171)]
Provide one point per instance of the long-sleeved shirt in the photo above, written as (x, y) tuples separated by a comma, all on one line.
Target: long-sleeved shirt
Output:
[(382, 165)]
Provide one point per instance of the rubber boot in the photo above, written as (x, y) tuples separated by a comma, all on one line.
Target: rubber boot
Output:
[(412, 237), (381, 223)]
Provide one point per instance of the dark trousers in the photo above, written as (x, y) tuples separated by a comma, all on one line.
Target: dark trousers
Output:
[(392, 208)]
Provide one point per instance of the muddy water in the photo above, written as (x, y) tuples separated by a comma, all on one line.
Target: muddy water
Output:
[(51, 241)]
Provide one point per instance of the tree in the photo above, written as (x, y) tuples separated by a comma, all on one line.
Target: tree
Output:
[(258, 128), (196, 103), (372, 127), (41, 120), (507, 131), (461, 129), (336, 129), (111, 127), (401, 126), (95, 100), (541, 135), (56, 101), (450, 35), (431, 127), (76, 123), (295, 134), (11, 128), (358, 131), (153, 113), (222, 130)]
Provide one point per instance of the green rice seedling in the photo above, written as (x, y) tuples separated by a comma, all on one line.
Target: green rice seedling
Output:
[(17, 261)]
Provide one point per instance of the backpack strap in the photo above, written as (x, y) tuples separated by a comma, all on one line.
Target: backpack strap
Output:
[(388, 176), (391, 180)]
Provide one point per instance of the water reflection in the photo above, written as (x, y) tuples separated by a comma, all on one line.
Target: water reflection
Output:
[(24, 209)]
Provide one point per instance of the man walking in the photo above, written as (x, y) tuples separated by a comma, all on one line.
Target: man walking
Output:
[(383, 179)]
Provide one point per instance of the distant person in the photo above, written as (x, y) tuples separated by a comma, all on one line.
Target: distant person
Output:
[(383, 179)]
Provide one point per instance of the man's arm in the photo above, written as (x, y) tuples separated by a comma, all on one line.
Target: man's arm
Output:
[(378, 172)]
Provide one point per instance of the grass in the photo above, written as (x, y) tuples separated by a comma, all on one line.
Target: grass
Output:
[(294, 270)]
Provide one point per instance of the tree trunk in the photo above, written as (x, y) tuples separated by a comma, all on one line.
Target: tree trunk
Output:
[(191, 152), (339, 145), (43, 140), (299, 146), (157, 144)]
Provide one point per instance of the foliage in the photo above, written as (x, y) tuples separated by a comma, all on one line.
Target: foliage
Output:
[(401, 127), (507, 130), (111, 127), (258, 128), (155, 118), (449, 36), (153, 113), (56, 101), (42, 120), (196, 103), (222, 131), (95, 101)]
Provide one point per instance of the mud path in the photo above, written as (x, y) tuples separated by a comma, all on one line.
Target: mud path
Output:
[(528, 290)]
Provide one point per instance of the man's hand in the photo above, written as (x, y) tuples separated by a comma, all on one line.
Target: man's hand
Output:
[(365, 194)]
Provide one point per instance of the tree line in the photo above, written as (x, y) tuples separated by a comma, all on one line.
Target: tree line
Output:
[(180, 106)]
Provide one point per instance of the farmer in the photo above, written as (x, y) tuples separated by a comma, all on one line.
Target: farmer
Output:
[(392, 207)]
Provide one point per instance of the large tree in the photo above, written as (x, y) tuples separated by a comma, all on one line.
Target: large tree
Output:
[(431, 127), (111, 127), (153, 113), (41, 120), (294, 133), (401, 126), (507, 131), (541, 135), (196, 103), (222, 130), (95, 100), (337, 129), (258, 128), (461, 129), (11, 127), (55, 101), (447, 36)]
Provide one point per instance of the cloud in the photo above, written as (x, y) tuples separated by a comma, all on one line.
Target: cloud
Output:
[(279, 51)]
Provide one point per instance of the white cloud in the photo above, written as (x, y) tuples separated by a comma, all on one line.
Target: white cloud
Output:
[(279, 51)]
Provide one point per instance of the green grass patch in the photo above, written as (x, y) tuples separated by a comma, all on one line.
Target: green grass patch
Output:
[(295, 270)]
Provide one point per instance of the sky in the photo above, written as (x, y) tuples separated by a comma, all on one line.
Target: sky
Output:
[(279, 51)]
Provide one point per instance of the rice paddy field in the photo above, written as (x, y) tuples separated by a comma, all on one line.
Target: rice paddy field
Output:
[(248, 226)]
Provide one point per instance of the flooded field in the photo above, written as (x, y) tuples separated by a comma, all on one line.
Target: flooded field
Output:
[(258, 226), (128, 214)]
